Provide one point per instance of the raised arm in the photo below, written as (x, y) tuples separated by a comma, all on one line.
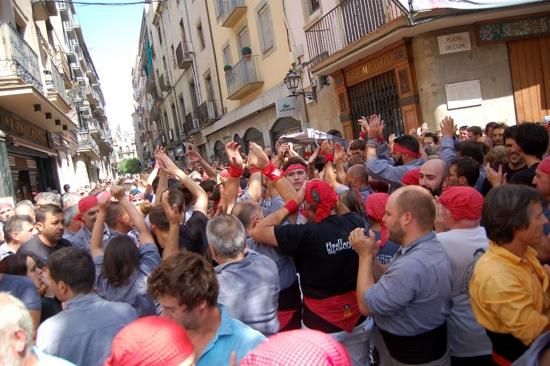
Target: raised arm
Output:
[(163, 177), (151, 178), (195, 157), (174, 218), (145, 236), (96, 240), (231, 190), (201, 198)]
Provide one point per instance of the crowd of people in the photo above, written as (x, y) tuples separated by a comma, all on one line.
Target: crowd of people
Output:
[(428, 248)]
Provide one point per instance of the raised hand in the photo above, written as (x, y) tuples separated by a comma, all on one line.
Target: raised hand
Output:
[(233, 154), (362, 244), (104, 200), (257, 156), (172, 212), (448, 127), (193, 156), (376, 126), (495, 177), (118, 192), (339, 153), (314, 155), (363, 123), (327, 148)]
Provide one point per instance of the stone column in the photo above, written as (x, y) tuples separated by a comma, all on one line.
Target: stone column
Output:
[(81, 171), (6, 182)]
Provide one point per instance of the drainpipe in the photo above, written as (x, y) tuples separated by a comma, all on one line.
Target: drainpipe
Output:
[(215, 57), (195, 72)]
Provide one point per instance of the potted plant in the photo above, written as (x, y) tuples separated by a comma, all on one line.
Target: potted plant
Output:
[(246, 52), (227, 68)]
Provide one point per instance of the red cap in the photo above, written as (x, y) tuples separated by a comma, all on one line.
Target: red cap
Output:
[(87, 203), (150, 341), (544, 166), (298, 347), (411, 178), (464, 203), (375, 204)]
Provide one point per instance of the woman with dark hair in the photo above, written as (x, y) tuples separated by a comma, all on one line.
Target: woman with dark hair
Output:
[(122, 270), (352, 200), (26, 264)]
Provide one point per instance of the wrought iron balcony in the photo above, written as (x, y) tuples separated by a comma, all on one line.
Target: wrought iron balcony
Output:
[(17, 58), (75, 96), (183, 59), (93, 127), (346, 24), (207, 112), (192, 123), (243, 78), (56, 83), (87, 146), (231, 11), (164, 83)]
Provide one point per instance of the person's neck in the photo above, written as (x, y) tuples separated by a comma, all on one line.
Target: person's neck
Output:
[(465, 224), (518, 166), (14, 247), (530, 160), (414, 236), (30, 359), (376, 226), (47, 241), (516, 247), (121, 229), (224, 260), (206, 330)]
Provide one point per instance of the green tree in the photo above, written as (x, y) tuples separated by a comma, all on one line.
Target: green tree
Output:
[(129, 166)]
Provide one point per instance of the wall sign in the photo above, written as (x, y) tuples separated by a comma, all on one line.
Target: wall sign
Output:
[(452, 43), (463, 94), (286, 107), (26, 130)]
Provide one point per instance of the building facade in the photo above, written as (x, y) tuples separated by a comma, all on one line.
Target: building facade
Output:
[(415, 65), (42, 127)]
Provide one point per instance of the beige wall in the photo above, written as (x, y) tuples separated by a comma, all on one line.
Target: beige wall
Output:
[(488, 64)]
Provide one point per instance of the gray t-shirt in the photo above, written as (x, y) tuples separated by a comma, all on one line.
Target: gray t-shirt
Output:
[(249, 290), (464, 247), (23, 288)]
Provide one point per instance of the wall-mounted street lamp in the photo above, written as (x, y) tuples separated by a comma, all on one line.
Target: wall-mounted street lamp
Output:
[(292, 79)]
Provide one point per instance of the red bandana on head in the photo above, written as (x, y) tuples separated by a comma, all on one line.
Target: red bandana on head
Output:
[(321, 196), (403, 150), (293, 167), (375, 205)]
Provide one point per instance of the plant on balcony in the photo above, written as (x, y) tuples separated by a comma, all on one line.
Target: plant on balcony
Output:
[(246, 52), (227, 68)]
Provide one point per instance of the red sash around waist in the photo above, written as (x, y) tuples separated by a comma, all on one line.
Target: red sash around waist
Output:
[(340, 310)]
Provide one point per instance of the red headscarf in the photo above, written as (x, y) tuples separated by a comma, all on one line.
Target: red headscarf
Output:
[(411, 178), (87, 203), (464, 203), (321, 196), (544, 166), (375, 204)]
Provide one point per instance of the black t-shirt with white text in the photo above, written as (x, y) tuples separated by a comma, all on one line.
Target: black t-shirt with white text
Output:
[(323, 255)]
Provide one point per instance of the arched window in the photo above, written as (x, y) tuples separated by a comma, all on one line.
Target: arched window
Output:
[(219, 152), (284, 126), (252, 135)]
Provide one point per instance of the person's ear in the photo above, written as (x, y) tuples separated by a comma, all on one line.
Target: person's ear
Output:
[(39, 226), (20, 339), (463, 181)]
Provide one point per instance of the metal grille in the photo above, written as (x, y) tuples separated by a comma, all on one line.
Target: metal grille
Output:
[(377, 95)]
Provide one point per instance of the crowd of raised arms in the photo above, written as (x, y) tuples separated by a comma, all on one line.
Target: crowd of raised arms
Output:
[(428, 248)]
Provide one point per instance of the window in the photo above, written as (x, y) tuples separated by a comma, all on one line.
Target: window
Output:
[(173, 57), (160, 35), (265, 28), (313, 6), (243, 38), (182, 31), (227, 59), (209, 87), (201, 36), (182, 106)]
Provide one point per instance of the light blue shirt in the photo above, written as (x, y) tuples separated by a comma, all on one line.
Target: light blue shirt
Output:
[(232, 336), (134, 291), (84, 331), (83, 237), (47, 360)]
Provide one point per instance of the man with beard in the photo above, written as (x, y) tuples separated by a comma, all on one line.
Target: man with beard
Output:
[(49, 224), (433, 176), (405, 155), (411, 301)]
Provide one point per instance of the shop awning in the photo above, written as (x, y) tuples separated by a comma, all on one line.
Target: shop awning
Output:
[(30, 104)]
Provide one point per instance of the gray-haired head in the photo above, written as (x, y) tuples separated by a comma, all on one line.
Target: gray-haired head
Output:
[(14, 317), (71, 199), (226, 235), (45, 198), (70, 214)]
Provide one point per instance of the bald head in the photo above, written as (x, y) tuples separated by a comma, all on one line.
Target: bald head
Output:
[(357, 175), (246, 212), (433, 174), (419, 202)]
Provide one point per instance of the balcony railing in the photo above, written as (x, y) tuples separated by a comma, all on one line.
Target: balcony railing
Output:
[(347, 23), (243, 78), (56, 84), (17, 57), (75, 96), (86, 144), (192, 123), (231, 11), (207, 111)]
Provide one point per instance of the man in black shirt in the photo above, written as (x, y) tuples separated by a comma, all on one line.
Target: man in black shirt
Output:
[(49, 224), (532, 139)]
